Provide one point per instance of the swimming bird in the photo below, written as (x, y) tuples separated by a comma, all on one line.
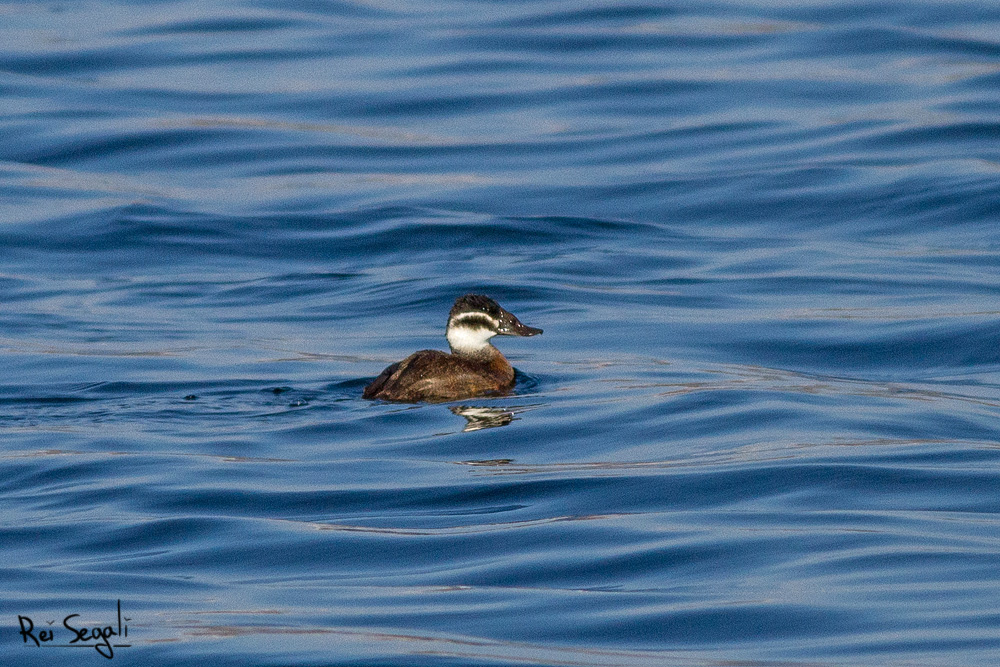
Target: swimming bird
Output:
[(474, 367)]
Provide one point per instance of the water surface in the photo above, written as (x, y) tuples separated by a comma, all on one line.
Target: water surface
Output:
[(761, 427)]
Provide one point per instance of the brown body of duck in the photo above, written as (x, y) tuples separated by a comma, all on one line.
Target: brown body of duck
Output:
[(474, 367)]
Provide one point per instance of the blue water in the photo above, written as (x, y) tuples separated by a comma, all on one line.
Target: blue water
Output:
[(762, 426)]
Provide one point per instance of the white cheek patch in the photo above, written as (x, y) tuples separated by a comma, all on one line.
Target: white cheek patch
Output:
[(467, 339)]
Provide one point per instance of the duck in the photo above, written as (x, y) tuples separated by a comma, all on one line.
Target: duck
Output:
[(473, 368)]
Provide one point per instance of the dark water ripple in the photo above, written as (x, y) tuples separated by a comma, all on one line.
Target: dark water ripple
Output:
[(761, 427)]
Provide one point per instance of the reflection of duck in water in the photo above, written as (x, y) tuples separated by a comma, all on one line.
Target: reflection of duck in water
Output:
[(474, 367), (478, 418)]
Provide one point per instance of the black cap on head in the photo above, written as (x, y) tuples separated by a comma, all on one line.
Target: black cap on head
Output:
[(476, 303), (507, 324)]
